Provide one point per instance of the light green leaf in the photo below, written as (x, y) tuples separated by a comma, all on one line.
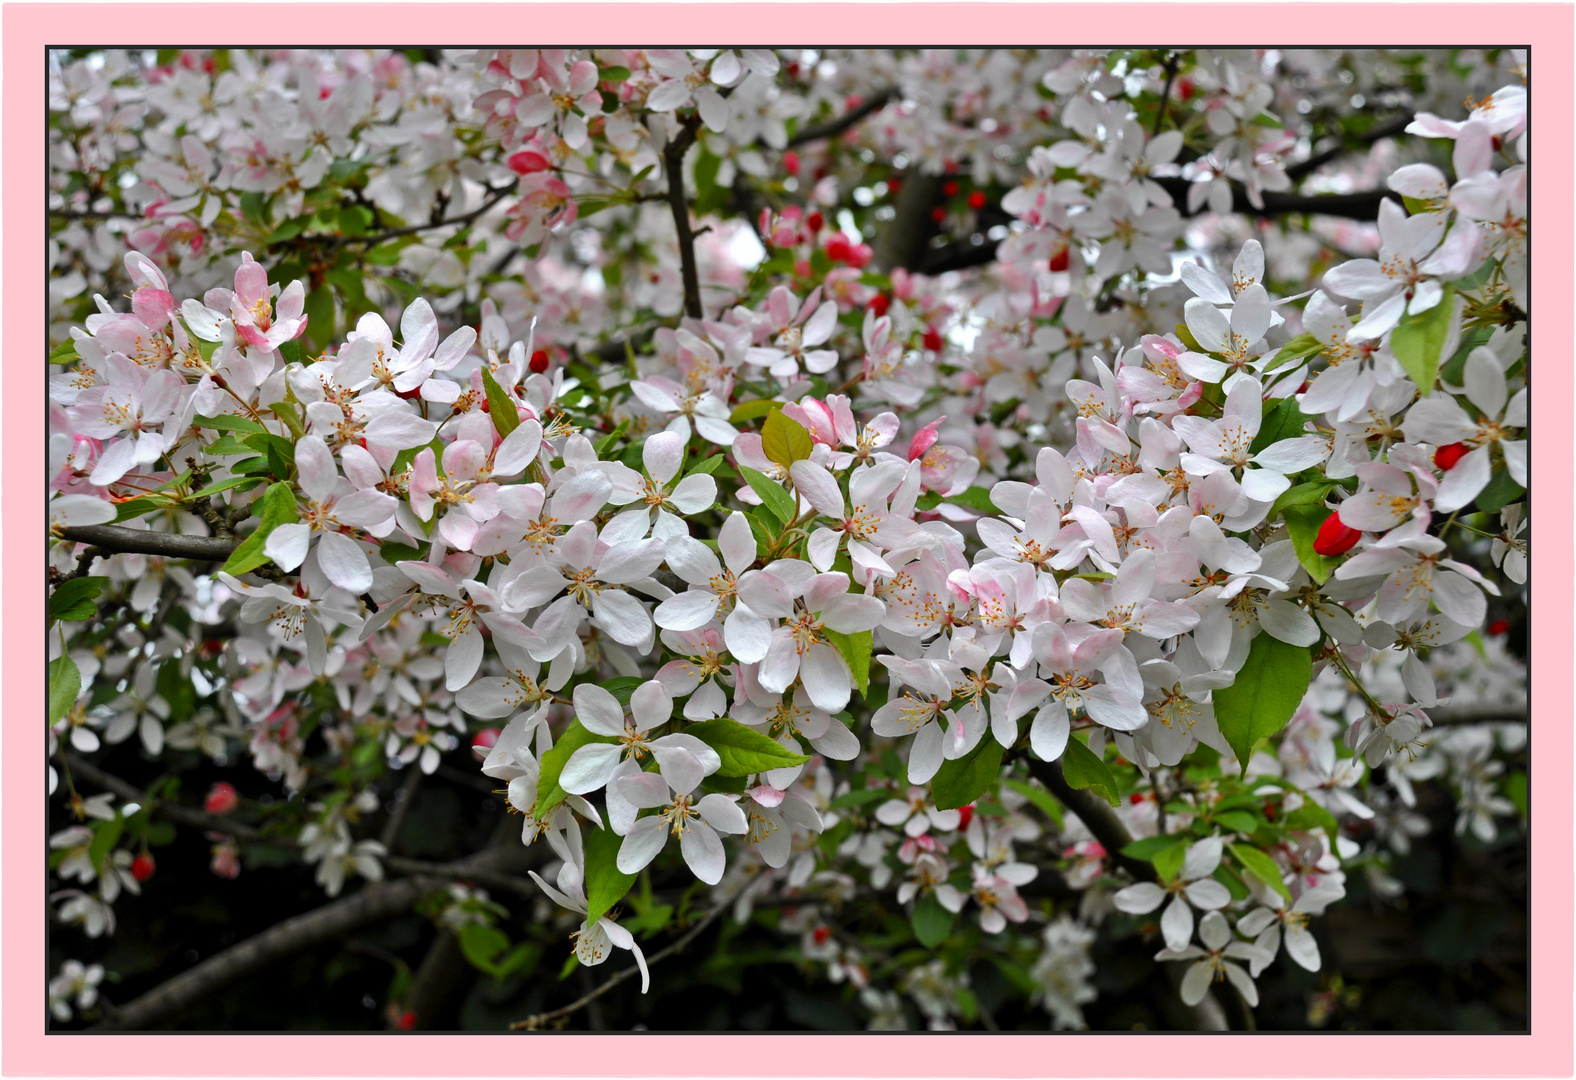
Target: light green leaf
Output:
[(1418, 340), (1266, 692), (64, 353), (1168, 861), (1309, 494), (1260, 866), (228, 422), (606, 884), (962, 780), (1147, 848), (753, 410), (1039, 797), (777, 501), (743, 750), (855, 650), (278, 508), (481, 943), (709, 466), (65, 683), (499, 405), (105, 835), (932, 922), (1084, 770), (783, 440), (1297, 349)]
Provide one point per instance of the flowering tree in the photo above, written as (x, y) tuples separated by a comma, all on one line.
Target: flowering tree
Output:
[(953, 524)]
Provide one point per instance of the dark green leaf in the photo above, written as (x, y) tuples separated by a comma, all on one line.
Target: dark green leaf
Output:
[(500, 406), (1266, 692), (228, 422), (962, 780), (623, 687), (1283, 422), (1084, 769), (1302, 525), (932, 922), (72, 600), (1498, 493)]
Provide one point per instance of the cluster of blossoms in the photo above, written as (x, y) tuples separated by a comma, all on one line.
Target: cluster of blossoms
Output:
[(837, 578)]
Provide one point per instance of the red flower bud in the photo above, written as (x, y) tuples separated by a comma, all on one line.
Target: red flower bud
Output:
[(1497, 627), (932, 339), (820, 934), (950, 188), (879, 303), (539, 361), (1447, 457), (791, 163), (1335, 537), (142, 867), (939, 214), (1060, 261), (814, 221), (222, 798), (965, 815), (977, 200), (838, 247)]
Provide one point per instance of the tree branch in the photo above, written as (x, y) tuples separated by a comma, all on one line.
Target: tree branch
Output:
[(496, 196), (82, 770), (903, 240), (117, 539), (840, 124), (673, 161), (1165, 95), (1394, 126), (1095, 813)]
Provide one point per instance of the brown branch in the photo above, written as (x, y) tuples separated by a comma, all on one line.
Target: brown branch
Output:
[(1394, 126), (1096, 814), (1172, 62), (673, 161), (497, 195), (84, 770), (904, 240), (117, 539), (1480, 714), (840, 124)]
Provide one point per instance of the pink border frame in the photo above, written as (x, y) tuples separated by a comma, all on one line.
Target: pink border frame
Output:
[(28, 28)]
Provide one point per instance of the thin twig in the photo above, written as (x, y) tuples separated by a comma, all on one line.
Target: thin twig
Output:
[(120, 540), (402, 800), (534, 1023), (673, 160), (497, 195), (840, 124), (1165, 95)]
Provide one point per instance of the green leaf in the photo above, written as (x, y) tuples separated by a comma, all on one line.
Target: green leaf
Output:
[(320, 315), (855, 650), (606, 884), (480, 943), (254, 208), (1266, 692), (1312, 493), (1151, 846), (222, 485), (548, 792), (1238, 821), (623, 687), (861, 797), (1418, 340), (974, 498), (384, 254), (228, 422), (1302, 524), (279, 451), (1039, 797), (1298, 348), (1311, 817), (499, 405), (72, 600), (709, 466), (932, 922), (1185, 336), (753, 410), (1168, 861), (962, 780), (64, 353), (1515, 788), (1084, 769), (614, 74), (1498, 493), (105, 835), (610, 440), (278, 508), (743, 750), (65, 683), (778, 502), (1260, 866), (289, 230), (783, 440), (1280, 423)]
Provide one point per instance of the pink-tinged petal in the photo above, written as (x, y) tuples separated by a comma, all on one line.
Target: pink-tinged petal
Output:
[(662, 455), (780, 665), (598, 710), (703, 851), (462, 658), (687, 610), (694, 494), (644, 841), (826, 677), (747, 635), (622, 616), (517, 451), (590, 768), (819, 488), (315, 462), (344, 563)]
